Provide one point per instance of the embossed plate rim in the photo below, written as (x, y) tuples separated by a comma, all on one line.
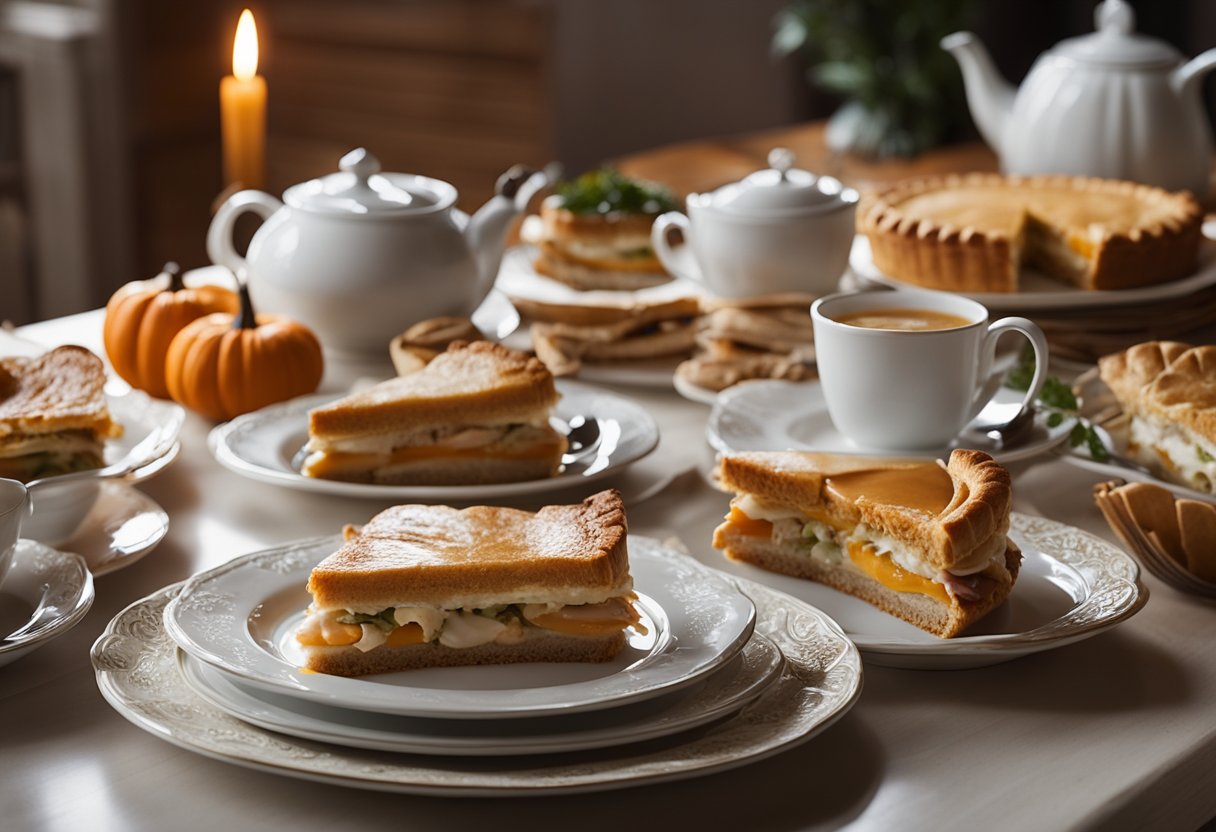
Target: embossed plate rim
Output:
[(136, 672), (209, 620)]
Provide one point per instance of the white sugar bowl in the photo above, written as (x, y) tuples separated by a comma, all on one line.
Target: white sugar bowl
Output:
[(775, 231)]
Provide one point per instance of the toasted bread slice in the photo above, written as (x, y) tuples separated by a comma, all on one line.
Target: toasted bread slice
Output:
[(923, 541), (472, 586), (53, 414), (477, 413)]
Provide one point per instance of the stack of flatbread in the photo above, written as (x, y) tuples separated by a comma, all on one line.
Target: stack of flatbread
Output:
[(413, 349), (737, 340)]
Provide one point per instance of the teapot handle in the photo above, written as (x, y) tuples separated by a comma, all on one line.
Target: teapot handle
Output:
[(219, 235)]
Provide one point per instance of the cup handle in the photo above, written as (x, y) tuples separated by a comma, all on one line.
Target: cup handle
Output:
[(1038, 341), (219, 234), (677, 261)]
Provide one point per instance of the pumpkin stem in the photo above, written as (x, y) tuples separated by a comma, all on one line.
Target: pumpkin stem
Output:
[(175, 276), (245, 318)]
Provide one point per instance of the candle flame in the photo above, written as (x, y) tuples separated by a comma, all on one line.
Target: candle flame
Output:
[(245, 48)]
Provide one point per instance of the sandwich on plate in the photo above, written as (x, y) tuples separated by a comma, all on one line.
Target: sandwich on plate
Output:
[(921, 540), (477, 413), (1167, 390), (431, 586), (53, 414), (594, 232)]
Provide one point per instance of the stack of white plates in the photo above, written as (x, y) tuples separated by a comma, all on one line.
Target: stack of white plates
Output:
[(726, 673)]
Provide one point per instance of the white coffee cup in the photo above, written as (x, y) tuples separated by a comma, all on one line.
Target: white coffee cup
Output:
[(900, 389)]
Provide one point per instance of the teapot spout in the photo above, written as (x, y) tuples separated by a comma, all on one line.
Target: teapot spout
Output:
[(1185, 79), (989, 96), (486, 233)]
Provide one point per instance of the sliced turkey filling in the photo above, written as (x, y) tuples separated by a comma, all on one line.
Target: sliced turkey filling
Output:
[(1180, 453)]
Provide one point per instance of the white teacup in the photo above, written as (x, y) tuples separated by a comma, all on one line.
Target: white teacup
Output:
[(905, 389), (14, 508)]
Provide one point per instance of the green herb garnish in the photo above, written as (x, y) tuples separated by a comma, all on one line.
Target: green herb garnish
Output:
[(383, 619), (1060, 403), (1203, 455), (604, 191)]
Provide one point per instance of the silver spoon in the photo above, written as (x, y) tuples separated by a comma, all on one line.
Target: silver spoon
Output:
[(582, 438)]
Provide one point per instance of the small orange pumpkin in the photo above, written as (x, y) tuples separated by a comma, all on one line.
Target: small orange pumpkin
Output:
[(143, 316), (226, 365)]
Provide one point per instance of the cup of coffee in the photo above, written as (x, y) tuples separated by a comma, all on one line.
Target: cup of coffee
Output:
[(907, 369)]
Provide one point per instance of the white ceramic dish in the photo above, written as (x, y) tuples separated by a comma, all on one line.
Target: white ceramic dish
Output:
[(783, 415), (242, 616), (1039, 293), (69, 596), (122, 526), (136, 669), (1072, 585), (722, 693), (263, 446)]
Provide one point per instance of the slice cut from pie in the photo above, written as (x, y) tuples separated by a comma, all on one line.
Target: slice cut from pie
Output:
[(974, 232)]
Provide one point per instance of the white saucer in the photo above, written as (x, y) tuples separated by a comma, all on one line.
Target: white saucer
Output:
[(1072, 586), (123, 525), (241, 617), (71, 595), (263, 446), (784, 415), (723, 692), (1039, 293)]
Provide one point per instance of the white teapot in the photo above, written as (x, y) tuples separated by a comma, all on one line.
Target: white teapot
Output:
[(359, 255), (1112, 104)]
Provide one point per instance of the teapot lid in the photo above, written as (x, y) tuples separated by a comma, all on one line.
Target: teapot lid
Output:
[(1116, 41), (780, 188), (359, 188)]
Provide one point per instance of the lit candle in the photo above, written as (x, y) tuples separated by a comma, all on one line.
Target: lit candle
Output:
[(243, 111)]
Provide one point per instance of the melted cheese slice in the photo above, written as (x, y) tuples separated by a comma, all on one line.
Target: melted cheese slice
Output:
[(740, 523), (604, 619), (891, 575), (336, 462)]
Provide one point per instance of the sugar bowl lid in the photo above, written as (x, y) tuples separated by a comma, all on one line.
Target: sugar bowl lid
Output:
[(360, 189), (781, 188), (1116, 43)]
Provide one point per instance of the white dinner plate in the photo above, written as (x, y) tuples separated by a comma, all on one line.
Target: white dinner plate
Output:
[(1072, 585), (241, 617), (122, 526), (136, 667), (722, 693), (264, 446), (69, 596), (1039, 293), (784, 415)]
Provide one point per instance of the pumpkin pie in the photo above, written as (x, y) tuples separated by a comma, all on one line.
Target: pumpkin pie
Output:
[(973, 232)]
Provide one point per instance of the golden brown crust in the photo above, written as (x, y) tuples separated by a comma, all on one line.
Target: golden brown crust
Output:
[(1129, 372), (929, 614), (1185, 392), (605, 314), (471, 383), (977, 512), (1153, 239), (561, 223), (61, 390), (537, 647), (449, 558)]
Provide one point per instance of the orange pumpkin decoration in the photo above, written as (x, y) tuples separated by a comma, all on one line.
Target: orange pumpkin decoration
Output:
[(226, 365), (142, 317)]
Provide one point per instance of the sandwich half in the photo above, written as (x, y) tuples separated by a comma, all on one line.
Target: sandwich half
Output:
[(53, 414), (920, 540), (477, 413), (1167, 389), (430, 586)]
